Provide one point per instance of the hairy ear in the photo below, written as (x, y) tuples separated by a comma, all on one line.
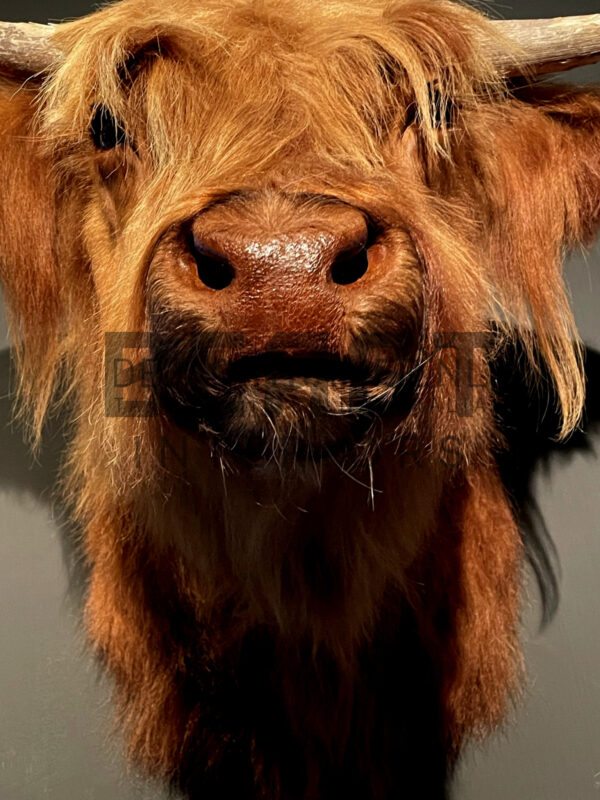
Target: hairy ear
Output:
[(536, 183), (572, 121), (28, 249)]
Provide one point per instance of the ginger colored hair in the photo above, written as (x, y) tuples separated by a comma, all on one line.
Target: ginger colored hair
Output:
[(394, 107)]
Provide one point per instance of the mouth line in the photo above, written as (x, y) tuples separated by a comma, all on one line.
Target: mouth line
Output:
[(282, 366)]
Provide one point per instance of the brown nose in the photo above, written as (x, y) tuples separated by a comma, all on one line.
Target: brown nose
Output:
[(282, 262), (279, 271)]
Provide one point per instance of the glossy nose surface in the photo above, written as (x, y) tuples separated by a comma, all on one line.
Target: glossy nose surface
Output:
[(338, 257), (280, 271)]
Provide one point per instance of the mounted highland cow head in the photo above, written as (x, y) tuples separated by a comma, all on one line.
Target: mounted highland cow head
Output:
[(259, 248)]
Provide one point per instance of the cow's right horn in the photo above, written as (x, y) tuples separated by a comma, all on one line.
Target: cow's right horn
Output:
[(26, 47), (549, 45)]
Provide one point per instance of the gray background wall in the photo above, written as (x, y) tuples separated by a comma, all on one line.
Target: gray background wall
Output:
[(56, 740)]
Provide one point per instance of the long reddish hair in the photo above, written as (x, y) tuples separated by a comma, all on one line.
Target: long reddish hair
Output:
[(254, 650)]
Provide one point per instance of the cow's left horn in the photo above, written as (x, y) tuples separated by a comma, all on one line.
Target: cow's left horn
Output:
[(549, 45), (26, 47)]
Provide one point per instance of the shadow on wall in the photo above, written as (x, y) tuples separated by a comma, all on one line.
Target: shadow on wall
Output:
[(23, 473), (528, 419)]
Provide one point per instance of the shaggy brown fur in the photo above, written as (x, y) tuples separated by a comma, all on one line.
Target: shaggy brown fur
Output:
[(288, 627)]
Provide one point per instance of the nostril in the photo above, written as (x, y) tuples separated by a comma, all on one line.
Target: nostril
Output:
[(350, 267), (213, 270)]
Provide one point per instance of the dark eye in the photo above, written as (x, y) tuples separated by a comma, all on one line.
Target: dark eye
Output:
[(106, 131), (443, 111)]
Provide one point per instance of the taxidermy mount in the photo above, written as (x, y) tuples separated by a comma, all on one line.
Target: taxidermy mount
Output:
[(267, 255)]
